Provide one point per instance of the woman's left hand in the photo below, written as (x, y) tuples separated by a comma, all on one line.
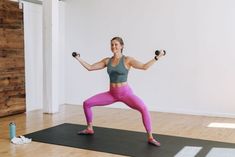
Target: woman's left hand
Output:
[(162, 53)]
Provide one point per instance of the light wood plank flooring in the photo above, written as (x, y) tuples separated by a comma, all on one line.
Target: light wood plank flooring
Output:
[(163, 123)]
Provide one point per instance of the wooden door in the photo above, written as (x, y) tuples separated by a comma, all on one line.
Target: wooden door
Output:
[(12, 73)]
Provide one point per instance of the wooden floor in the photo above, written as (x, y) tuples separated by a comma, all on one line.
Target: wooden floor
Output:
[(163, 123)]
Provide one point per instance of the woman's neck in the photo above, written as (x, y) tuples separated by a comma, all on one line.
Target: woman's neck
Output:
[(117, 55)]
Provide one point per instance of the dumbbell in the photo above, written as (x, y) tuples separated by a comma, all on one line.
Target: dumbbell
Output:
[(157, 52), (74, 54)]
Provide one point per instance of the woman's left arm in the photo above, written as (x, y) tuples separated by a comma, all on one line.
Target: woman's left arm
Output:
[(132, 62)]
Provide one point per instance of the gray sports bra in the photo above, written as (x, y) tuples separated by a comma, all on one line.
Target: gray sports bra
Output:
[(118, 73)]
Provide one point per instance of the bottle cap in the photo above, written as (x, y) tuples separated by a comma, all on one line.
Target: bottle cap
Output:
[(12, 123)]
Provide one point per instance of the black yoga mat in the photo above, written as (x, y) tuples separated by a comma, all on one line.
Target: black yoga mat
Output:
[(123, 142)]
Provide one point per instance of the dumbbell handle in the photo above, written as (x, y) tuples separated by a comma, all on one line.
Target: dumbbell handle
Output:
[(157, 52)]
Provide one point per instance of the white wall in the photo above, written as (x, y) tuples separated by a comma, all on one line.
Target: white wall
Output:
[(197, 75), (33, 55)]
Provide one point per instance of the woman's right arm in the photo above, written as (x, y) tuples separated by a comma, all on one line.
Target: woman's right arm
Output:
[(96, 66)]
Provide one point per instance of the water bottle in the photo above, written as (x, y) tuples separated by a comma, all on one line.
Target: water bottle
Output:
[(12, 130)]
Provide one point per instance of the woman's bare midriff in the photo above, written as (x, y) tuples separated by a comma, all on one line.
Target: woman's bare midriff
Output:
[(118, 84)]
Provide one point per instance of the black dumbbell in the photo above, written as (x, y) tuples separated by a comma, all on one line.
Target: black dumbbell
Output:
[(74, 54), (157, 52)]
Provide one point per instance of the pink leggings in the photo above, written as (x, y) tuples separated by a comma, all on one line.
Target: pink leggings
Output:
[(123, 94)]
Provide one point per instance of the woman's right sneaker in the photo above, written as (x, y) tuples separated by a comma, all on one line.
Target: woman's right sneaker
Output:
[(154, 142)]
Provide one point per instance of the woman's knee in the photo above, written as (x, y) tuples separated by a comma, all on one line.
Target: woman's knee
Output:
[(86, 104), (142, 108)]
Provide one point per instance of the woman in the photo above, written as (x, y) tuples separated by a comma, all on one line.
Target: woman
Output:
[(118, 67)]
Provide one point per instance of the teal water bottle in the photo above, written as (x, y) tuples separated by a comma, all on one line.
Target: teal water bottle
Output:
[(12, 130)]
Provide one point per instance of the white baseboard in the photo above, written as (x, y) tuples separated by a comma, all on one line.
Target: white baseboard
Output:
[(194, 112), (179, 111)]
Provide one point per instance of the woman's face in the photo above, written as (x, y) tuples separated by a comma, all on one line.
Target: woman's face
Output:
[(116, 47)]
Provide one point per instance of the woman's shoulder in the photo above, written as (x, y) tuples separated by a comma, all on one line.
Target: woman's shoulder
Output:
[(106, 60), (128, 58)]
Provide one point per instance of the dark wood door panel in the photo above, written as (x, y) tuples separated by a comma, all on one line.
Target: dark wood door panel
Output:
[(12, 66)]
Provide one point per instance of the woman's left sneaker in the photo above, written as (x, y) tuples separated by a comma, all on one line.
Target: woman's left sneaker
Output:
[(86, 132)]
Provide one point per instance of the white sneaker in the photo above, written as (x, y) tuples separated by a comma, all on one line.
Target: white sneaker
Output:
[(21, 140)]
